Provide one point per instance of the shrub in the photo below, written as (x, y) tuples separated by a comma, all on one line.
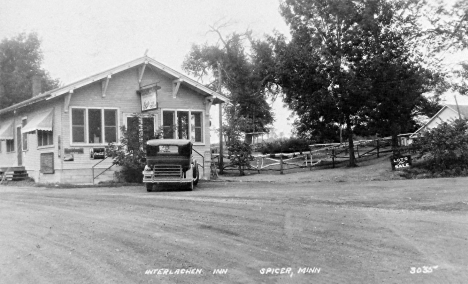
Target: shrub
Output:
[(240, 154), (129, 153), (445, 148), (285, 146)]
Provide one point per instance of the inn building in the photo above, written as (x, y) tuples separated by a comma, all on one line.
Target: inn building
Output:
[(60, 135)]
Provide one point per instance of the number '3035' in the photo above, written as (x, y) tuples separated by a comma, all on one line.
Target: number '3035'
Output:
[(424, 269)]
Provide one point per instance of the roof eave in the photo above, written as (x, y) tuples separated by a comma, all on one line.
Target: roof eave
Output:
[(188, 80), (131, 64), (25, 103), (218, 98)]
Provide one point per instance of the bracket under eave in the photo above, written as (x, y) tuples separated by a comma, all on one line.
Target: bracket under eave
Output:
[(175, 87), (208, 103), (67, 101), (141, 72), (104, 84)]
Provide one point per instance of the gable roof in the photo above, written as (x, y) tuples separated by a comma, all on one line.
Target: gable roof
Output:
[(463, 109), (463, 112), (99, 76)]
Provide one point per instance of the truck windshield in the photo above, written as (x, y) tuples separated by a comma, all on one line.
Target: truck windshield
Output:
[(183, 150), (151, 150)]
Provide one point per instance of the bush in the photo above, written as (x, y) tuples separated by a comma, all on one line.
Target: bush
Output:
[(290, 145), (129, 153), (240, 154), (445, 148)]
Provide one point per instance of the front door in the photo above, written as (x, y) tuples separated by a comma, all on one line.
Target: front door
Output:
[(19, 148)]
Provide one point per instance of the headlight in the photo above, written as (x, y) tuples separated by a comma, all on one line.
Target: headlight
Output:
[(147, 168)]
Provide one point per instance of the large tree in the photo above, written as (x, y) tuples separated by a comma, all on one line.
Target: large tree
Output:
[(357, 64), (20, 59), (237, 66), (320, 68), (401, 55)]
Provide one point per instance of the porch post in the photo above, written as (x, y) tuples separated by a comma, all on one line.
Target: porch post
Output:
[(221, 164)]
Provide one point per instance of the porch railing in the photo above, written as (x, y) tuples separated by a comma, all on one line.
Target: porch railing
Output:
[(105, 170), (203, 161)]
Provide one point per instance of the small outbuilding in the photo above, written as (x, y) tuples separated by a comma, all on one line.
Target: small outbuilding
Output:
[(446, 114), (60, 135)]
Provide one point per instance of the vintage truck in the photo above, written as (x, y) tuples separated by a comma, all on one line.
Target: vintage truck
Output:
[(170, 161)]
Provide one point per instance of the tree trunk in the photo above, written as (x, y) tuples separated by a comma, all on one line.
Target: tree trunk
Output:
[(395, 128), (352, 160), (241, 170)]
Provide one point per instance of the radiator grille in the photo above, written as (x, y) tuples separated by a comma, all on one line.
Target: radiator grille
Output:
[(168, 171)]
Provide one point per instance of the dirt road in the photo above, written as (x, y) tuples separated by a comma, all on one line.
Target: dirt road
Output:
[(327, 232)]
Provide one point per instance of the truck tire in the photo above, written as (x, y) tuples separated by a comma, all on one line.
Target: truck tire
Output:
[(190, 186), (149, 187), (196, 175), (156, 187)]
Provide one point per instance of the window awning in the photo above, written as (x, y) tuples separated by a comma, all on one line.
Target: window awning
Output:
[(6, 131), (42, 121)]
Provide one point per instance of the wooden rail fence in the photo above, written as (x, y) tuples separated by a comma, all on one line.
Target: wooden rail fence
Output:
[(318, 155)]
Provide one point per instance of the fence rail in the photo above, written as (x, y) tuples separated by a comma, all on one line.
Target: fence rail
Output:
[(318, 155)]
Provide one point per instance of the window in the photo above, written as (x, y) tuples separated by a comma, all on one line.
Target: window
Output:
[(184, 128), (110, 125), (25, 135), (132, 133), (44, 138), (94, 125), (168, 124), (132, 127), (148, 129), (196, 127), (78, 125), (10, 145), (182, 125)]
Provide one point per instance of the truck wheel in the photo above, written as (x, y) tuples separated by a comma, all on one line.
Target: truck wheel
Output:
[(190, 186), (196, 176), (156, 187), (149, 187)]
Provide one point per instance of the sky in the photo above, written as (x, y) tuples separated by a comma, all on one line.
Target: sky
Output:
[(81, 38)]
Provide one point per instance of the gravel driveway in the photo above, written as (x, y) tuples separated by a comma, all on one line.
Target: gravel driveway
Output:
[(253, 232)]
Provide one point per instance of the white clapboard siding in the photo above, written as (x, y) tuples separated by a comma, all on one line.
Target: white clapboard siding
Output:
[(122, 95)]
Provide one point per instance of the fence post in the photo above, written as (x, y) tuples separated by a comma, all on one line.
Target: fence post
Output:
[(281, 163), (378, 147), (258, 165), (310, 165), (333, 157), (305, 156)]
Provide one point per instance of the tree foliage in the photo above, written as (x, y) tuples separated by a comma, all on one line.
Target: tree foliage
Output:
[(356, 64), (434, 26), (240, 155), (240, 152), (238, 66), (321, 67), (437, 28), (132, 147), (446, 147), (461, 84), (289, 145), (20, 59)]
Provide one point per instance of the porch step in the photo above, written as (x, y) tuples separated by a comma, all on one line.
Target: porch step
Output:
[(13, 173)]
